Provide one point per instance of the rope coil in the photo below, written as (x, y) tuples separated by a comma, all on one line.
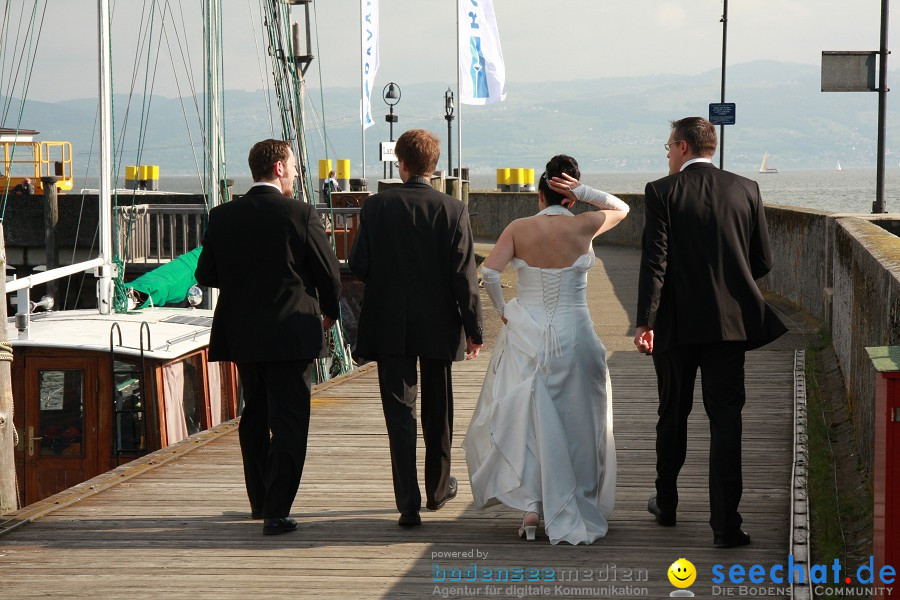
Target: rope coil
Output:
[(6, 354)]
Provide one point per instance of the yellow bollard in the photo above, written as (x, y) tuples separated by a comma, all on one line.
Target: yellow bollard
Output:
[(343, 174), (529, 180), (324, 168), (503, 180), (517, 180)]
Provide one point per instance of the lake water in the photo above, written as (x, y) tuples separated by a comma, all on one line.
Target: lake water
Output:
[(850, 190), (835, 191)]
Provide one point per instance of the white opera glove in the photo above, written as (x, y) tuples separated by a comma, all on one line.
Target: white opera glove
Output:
[(601, 200), (492, 286)]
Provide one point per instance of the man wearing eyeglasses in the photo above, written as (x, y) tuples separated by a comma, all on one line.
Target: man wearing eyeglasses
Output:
[(705, 243)]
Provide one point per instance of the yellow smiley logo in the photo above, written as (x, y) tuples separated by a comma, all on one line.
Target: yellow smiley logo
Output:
[(682, 573)]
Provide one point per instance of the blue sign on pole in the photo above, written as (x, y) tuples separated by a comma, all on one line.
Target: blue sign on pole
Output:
[(722, 114)]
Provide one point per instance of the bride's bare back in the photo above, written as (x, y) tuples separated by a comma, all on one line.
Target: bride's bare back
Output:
[(550, 241)]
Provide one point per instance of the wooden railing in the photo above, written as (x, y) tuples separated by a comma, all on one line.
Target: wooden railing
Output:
[(157, 233)]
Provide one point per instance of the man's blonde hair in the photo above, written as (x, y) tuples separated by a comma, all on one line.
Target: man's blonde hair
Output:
[(419, 150)]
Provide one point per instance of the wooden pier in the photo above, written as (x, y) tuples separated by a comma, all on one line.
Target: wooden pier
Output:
[(176, 524)]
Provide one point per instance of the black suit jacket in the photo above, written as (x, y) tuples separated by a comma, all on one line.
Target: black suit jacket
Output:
[(269, 256), (705, 243), (414, 252)]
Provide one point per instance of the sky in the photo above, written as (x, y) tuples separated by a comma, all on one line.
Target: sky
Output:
[(541, 40)]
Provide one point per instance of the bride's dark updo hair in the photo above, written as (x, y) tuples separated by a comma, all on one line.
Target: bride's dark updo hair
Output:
[(556, 166)]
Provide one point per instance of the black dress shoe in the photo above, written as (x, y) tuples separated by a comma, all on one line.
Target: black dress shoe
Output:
[(279, 525), (730, 539), (451, 494), (665, 519), (410, 518)]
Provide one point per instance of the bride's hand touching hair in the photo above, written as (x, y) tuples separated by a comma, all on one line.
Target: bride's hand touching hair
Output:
[(564, 184)]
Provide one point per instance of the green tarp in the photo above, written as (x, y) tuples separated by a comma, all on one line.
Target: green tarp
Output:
[(169, 283)]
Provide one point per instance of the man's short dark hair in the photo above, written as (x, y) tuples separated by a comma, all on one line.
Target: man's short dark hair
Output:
[(699, 134), (264, 155), (419, 150), (556, 166)]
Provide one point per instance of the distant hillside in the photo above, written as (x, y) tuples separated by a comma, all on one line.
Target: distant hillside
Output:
[(608, 124)]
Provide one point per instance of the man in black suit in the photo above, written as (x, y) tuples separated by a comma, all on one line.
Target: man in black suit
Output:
[(705, 243), (414, 252), (268, 255)]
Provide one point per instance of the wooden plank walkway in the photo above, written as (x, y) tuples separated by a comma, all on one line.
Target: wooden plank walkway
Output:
[(180, 527)]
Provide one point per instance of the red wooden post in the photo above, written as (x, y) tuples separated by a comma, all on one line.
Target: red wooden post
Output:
[(886, 475)]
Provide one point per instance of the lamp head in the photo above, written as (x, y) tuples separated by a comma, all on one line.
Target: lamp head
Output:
[(391, 93), (448, 103)]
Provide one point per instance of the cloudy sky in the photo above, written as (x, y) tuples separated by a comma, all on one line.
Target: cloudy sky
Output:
[(541, 40)]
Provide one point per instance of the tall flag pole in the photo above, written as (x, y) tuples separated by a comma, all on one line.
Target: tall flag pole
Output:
[(482, 73), (369, 62)]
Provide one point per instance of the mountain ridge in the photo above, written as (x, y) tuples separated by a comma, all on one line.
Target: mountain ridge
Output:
[(608, 124)]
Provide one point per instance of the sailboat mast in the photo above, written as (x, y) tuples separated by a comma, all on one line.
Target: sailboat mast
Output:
[(212, 30), (104, 292), (211, 50)]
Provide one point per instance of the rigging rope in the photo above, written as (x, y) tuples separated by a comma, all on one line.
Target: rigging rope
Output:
[(80, 214), (26, 83), (119, 299), (255, 30), (187, 124), (288, 80), (321, 85)]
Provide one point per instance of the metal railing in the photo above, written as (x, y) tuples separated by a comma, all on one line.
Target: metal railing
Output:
[(157, 233)]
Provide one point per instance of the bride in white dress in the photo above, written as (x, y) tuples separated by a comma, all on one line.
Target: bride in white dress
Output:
[(541, 436)]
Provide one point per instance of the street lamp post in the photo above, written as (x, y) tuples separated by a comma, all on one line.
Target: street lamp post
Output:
[(448, 114), (391, 96), (724, 21)]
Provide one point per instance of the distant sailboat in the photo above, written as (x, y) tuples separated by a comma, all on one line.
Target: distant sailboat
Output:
[(839, 168), (764, 166)]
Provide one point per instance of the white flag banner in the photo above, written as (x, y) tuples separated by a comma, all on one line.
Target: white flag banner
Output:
[(370, 58), (482, 74)]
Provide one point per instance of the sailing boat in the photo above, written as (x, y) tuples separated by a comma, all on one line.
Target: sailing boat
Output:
[(839, 168), (764, 166), (95, 388)]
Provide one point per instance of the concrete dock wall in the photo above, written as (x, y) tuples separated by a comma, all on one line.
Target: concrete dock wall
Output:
[(844, 269), (866, 271), (801, 240)]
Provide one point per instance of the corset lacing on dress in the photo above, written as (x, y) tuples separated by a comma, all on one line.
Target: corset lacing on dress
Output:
[(550, 284)]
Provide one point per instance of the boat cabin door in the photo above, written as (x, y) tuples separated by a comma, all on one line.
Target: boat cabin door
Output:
[(60, 445)]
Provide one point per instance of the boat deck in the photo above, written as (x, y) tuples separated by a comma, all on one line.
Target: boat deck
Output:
[(176, 523)]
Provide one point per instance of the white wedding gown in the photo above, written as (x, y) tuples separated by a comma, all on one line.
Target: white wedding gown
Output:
[(541, 436)]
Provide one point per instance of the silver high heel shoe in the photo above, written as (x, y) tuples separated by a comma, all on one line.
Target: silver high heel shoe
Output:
[(528, 530)]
